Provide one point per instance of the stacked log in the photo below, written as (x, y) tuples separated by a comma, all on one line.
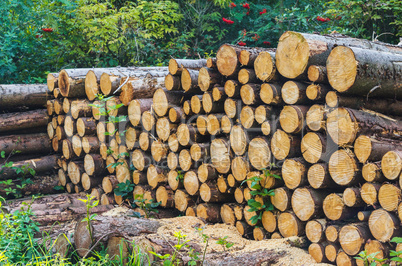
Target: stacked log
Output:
[(305, 114), (24, 142)]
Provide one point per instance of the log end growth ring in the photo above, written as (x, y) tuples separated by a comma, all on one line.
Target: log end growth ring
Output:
[(292, 54), (227, 60), (264, 66), (341, 68)]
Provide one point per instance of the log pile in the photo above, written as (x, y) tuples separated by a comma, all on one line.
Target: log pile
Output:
[(24, 144), (325, 110)]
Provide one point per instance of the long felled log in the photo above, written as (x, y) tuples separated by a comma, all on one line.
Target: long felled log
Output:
[(365, 72), (139, 88), (164, 99), (384, 106), (176, 66), (17, 96), (207, 78), (371, 149), (297, 51), (306, 203), (40, 185), (335, 209), (72, 82), (39, 165), (23, 120), (25, 144), (104, 227), (343, 125)]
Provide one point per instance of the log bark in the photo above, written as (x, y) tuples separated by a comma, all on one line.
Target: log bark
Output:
[(25, 144), (80, 108), (176, 66), (312, 49), (176, 115), (365, 72), (104, 227), (209, 192), (23, 120), (18, 96), (72, 82), (40, 184), (86, 126), (139, 178), (39, 165), (369, 148), (317, 92), (94, 164), (140, 88), (271, 93), (90, 144), (384, 106), (209, 212)]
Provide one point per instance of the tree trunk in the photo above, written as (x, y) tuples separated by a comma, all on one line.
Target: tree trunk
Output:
[(75, 171), (165, 196), (209, 192), (335, 209), (23, 120), (294, 92), (317, 251), (18, 96), (86, 126), (282, 198), (173, 180), (250, 95), (317, 92), (90, 144), (365, 72), (384, 106), (238, 140), (40, 185), (369, 148), (315, 230), (207, 78), (352, 198), (316, 117), (185, 161), (159, 150), (389, 197), (226, 124), (80, 108), (227, 59), (271, 93), (331, 250), (25, 144), (164, 99), (140, 88), (94, 164), (232, 88), (307, 203), (176, 115), (317, 74), (296, 52), (39, 165), (176, 66), (104, 227), (209, 105), (316, 147), (247, 117), (384, 225), (259, 153), (72, 82), (369, 193), (227, 213), (148, 121), (292, 118), (264, 66), (284, 145), (232, 107), (343, 168), (294, 172), (156, 176), (352, 237), (318, 176), (247, 75), (52, 81), (218, 94), (182, 200), (173, 83), (173, 160), (202, 124), (200, 151), (164, 128), (289, 225), (209, 212), (391, 164)]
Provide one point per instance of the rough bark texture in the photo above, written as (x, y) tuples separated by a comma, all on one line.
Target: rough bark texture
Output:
[(23, 120), (18, 96)]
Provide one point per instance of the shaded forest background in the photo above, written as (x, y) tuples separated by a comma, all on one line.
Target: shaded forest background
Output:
[(42, 36)]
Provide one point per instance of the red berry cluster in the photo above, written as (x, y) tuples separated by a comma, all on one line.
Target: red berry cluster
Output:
[(47, 29), (323, 19)]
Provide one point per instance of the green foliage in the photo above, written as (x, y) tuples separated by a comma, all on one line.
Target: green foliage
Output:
[(224, 243), (124, 190), (180, 176), (260, 191), (148, 206), (90, 203)]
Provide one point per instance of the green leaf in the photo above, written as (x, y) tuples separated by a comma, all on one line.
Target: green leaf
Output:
[(3, 154)]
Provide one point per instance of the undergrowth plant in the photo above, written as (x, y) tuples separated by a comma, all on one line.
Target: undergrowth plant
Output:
[(370, 259), (90, 203), (148, 206), (259, 190), (224, 243)]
